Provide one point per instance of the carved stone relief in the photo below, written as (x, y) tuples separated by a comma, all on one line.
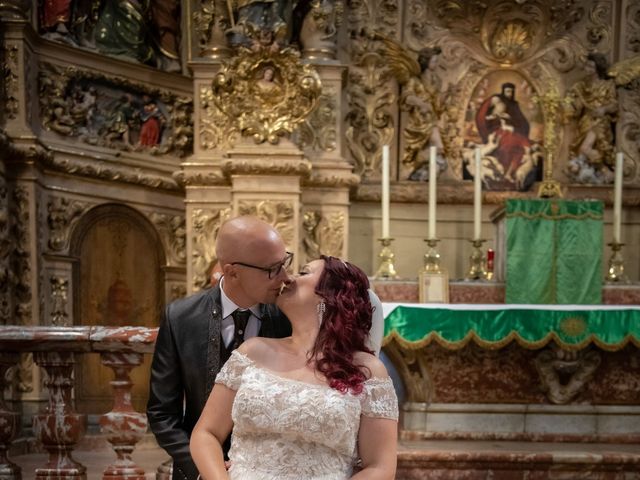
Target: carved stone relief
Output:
[(565, 374), (210, 22), (6, 247), (15, 9), (205, 225), (266, 94), (113, 112), (10, 80), (216, 129), (21, 267), (413, 368), (172, 229), (369, 121), (323, 233), (177, 292), (62, 215), (111, 172), (147, 32), (629, 129), (59, 301), (632, 39), (371, 98), (279, 214), (319, 131)]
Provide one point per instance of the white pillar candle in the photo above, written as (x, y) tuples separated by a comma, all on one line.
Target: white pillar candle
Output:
[(477, 196), (617, 197), (432, 192), (385, 191)]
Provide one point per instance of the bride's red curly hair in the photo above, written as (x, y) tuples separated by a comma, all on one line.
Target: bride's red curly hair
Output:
[(345, 326)]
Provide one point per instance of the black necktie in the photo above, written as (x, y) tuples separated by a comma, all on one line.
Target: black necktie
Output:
[(240, 320)]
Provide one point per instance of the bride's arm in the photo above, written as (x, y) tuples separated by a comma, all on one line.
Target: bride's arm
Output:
[(213, 427), (377, 445)]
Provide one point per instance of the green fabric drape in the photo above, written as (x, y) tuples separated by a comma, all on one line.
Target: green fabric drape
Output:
[(415, 327), (554, 252)]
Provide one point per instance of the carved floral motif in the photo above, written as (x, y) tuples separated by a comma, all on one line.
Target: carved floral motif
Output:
[(21, 267), (216, 129), (112, 172), (62, 215), (319, 131), (6, 247), (205, 225), (59, 299), (323, 234), (174, 235), (279, 214), (10, 80)]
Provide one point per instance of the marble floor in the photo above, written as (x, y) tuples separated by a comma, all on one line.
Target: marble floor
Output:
[(430, 459)]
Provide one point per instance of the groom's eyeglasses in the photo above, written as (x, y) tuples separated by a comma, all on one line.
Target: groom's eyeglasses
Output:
[(273, 271)]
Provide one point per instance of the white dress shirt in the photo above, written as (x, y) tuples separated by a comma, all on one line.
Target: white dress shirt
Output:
[(228, 307)]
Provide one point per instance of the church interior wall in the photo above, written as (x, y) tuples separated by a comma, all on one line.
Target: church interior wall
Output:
[(83, 127)]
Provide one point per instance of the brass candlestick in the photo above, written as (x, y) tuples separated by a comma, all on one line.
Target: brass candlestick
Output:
[(476, 261), (615, 272), (432, 257), (386, 270)]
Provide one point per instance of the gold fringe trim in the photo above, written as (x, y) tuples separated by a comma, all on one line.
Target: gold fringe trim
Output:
[(503, 342), (564, 216)]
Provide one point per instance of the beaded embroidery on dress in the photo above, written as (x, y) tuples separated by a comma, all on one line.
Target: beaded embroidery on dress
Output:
[(285, 429)]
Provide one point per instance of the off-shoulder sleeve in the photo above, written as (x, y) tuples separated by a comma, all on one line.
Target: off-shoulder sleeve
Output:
[(379, 399), (230, 374)]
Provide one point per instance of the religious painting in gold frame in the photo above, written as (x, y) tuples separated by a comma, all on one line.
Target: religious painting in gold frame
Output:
[(433, 287)]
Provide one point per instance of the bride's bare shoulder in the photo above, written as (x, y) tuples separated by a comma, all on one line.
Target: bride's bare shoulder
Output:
[(259, 349), (372, 364)]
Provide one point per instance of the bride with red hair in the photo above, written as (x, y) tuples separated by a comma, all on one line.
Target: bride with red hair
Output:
[(310, 405)]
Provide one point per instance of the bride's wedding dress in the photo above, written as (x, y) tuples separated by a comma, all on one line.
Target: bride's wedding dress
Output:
[(285, 429)]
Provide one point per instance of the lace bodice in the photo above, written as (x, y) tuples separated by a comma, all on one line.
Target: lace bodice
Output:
[(290, 430)]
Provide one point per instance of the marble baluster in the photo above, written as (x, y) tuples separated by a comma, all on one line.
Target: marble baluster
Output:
[(123, 426), (59, 427), (9, 422), (165, 470)]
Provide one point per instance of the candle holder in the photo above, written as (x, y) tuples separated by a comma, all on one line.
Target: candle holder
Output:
[(432, 257), (386, 270), (615, 271), (476, 261)]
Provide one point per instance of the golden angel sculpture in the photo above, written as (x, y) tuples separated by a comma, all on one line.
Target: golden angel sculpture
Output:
[(593, 103), (424, 102)]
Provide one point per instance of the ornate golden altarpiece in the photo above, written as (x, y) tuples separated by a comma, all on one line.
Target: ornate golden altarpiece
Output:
[(156, 141)]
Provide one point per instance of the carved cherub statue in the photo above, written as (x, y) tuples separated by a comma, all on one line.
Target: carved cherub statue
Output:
[(593, 103), (422, 99)]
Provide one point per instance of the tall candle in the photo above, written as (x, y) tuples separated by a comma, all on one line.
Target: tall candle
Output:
[(477, 196), (432, 192), (385, 191), (617, 197)]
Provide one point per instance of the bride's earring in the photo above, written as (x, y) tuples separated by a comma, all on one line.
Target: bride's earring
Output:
[(321, 308)]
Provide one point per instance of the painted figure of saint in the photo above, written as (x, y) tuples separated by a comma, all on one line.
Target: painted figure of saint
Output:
[(152, 120), (500, 114)]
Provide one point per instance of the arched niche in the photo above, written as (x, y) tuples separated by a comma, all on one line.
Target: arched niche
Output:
[(118, 281)]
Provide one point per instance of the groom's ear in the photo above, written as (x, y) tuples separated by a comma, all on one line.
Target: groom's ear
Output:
[(229, 271)]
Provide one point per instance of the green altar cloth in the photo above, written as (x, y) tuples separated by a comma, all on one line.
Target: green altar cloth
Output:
[(554, 251), (573, 327)]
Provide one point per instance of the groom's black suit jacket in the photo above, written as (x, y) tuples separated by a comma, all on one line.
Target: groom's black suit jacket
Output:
[(188, 355)]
